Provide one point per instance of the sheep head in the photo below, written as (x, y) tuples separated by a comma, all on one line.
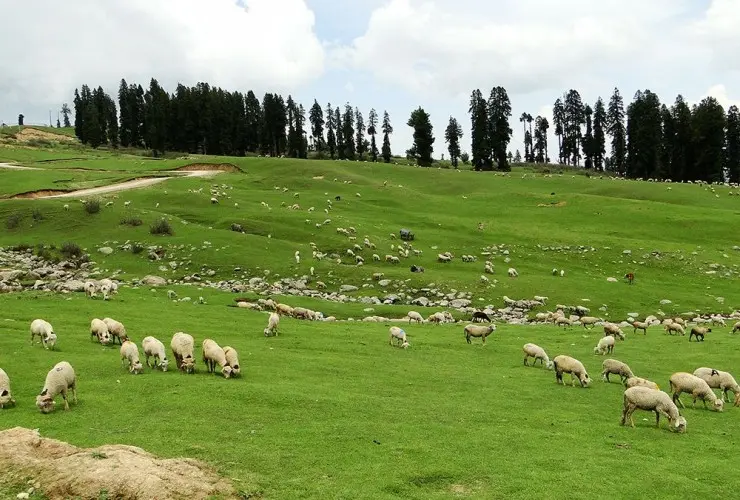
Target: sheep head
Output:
[(679, 425), (164, 364), (737, 399), (405, 344), (226, 371), (585, 380), (188, 364), (136, 368), (44, 402), (5, 398), (718, 404), (549, 365)]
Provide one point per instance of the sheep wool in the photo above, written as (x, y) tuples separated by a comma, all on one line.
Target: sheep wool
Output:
[(478, 332), (605, 345), (213, 354), (99, 329), (397, 335), (154, 348), (681, 382), (130, 355), (717, 379), (116, 330), (232, 358), (640, 382), (44, 330), (60, 379), (536, 352), (616, 367), (645, 398), (6, 396), (567, 364), (415, 316), (183, 345)]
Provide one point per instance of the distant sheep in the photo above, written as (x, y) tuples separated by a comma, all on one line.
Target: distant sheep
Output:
[(699, 332), (589, 320), (717, 379), (613, 330), (480, 317), (567, 364), (44, 330), (116, 330), (640, 382), (605, 345), (90, 289), (415, 316), (698, 388), (637, 325), (536, 352), (645, 398), (478, 332), (60, 379), (615, 367), (272, 325), (398, 335), (513, 273), (99, 330), (671, 327)]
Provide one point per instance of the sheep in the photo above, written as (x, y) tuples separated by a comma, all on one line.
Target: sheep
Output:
[(284, 309), (437, 318), (605, 345), (444, 258), (66, 206), (645, 398), (152, 347), (717, 379), (272, 325), (512, 273), (214, 200), (393, 259), (232, 358), (613, 330), (540, 298), (90, 289), (536, 352), (637, 325), (415, 316), (398, 334), (130, 354), (616, 367), (480, 317), (589, 320), (99, 329), (60, 379), (718, 321), (736, 327), (213, 354), (297, 257), (686, 382), (182, 346), (478, 331), (567, 364), (6, 397), (671, 327), (699, 332), (562, 320), (44, 330), (640, 382), (116, 330)]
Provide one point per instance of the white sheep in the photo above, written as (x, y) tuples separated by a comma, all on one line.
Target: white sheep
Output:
[(213, 354), (398, 334), (717, 379), (66, 206), (640, 382), (272, 325), (540, 298), (645, 398), (116, 330), (672, 326), (613, 330), (130, 356), (105, 291), (99, 329), (637, 325), (90, 289), (736, 327), (60, 379), (415, 316), (698, 388), (605, 345), (297, 257), (232, 358), (589, 320), (567, 364), (616, 367), (183, 345), (478, 332), (6, 396), (154, 348), (536, 352), (113, 286), (513, 273), (44, 330)]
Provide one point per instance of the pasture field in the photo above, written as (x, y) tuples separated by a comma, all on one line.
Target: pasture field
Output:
[(331, 411)]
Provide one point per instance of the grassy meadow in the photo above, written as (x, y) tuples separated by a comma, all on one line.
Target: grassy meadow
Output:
[(330, 410)]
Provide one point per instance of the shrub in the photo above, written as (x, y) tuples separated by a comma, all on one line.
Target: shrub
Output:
[(37, 215), (92, 206), (237, 228), (137, 248), (162, 226), (13, 221), (131, 221), (71, 250)]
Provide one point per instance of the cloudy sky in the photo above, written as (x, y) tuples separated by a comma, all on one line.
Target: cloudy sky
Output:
[(392, 55)]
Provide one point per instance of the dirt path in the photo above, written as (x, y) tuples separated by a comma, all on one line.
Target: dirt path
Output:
[(17, 167)]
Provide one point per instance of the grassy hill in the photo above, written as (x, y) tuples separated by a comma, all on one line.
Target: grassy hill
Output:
[(330, 410)]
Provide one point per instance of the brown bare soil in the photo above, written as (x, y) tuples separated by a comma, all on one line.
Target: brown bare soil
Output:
[(125, 472), (29, 134), (44, 193), (223, 167)]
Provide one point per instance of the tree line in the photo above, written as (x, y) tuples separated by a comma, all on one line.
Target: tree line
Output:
[(648, 139)]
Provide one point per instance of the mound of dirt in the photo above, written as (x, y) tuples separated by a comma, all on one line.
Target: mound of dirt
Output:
[(223, 167), (125, 472), (29, 134), (38, 194)]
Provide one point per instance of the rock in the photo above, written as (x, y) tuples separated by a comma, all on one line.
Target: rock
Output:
[(105, 250), (459, 303), (23, 495), (384, 283), (627, 252), (72, 286), (348, 288), (611, 280), (665, 302), (420, 301), (151, 280)]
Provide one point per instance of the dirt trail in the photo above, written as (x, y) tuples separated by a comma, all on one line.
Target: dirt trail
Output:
[(10, 166)]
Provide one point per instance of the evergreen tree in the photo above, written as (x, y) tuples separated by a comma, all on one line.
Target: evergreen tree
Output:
[(668, 128), (341, 147), (79, 106), (101, 108), (372, 130), (499, 111), (155, 118), (558, 118), (599, 138), (387, 131), (331, 126), (423, 138), (682, 149), (316, 117), (644, 136), (588, 139), (708, 119), (91, 124), (480, 145), (294, 139), (301, 129), (574, 117), (65, 115), (732, 144), (360, 135), (530, 119), (523, 121), (453, 133), (517, 157), (112, 121), (348, 132), (125, 112), (253, 120), (541, 126), (59, 124), (616, 129)]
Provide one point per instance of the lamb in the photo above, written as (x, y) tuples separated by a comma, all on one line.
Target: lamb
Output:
[(398, 334), (6, 397), (567, 364), (671, 327), (415, 316), (116, 330), (60, 379), (605, 345), (478, 331), (686, 382), (182, 346), (90, 289), (512, 273), (536, 352), (99, 329), (637, 325), (213, 354), (130, 354), (232, 358), (272, 325), (640, 382), (717, 379), (613, 330), (437, 318), (152, 347), (616, 367), (645, 398), (105, 290), (699, 331), (44, 330)]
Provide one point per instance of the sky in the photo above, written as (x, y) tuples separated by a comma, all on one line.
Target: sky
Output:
[(393, 55)]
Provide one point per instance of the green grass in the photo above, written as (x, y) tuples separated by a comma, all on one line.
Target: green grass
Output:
[(23, 181)]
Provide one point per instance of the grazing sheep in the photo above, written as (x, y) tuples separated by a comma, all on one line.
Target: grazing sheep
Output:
[(116, 330), (672, 326), (717, 379), (60, 379), (698, 388), (540, 298), (284, 309), (718, 321), (415, 316), (182, 346), (616, 367), (589, 320), (105, 291), (44, 330), (562, 320), (213, 354), (736, 327), (640, 382), (480, 317), (637, 325), (536, 352), (6, 396), (232, 358), (699, 332), (605, 345), (512, 273), (398, 334), (272, 325), (645, 398), (66, 206), (90, 289), (613, 330), (152, 347), (437, 318), (214, 201), (567, 364), (99, 330), (478, 332), (130, 354)]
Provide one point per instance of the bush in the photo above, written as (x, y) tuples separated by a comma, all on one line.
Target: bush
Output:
[(71, 250), (13, 221), (131, 221), (92, 206), (137, 248), (237, 228), (162, 226), (37, 215)]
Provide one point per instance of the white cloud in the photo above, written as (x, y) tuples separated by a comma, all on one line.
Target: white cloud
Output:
[(51, 47)]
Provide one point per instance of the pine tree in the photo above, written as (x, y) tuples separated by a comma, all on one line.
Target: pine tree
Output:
[(523, 121), (125, 113), (517, 157), (112, 121), (79, 105), (294, 139), (372, 130), (341, 147), (387, 131), (644, 136), (541, 126), (253, 120), (331, 138), (530, 119), (155, 118), (360, 135), (588, 139), (453, 133), (574, 118), (668, 128), (65, 115), (558, 118), (616, 129), (91, 124), (348, 132), (480, 140), (599, 139), (423, 138), (708, 119), (682, 150), (316, 117), (732, 144), (499, 111)]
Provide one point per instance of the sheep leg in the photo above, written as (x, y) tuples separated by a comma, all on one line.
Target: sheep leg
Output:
[(64, 397), (677, 399), (559, 377), (657, 418), (525, 361)]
